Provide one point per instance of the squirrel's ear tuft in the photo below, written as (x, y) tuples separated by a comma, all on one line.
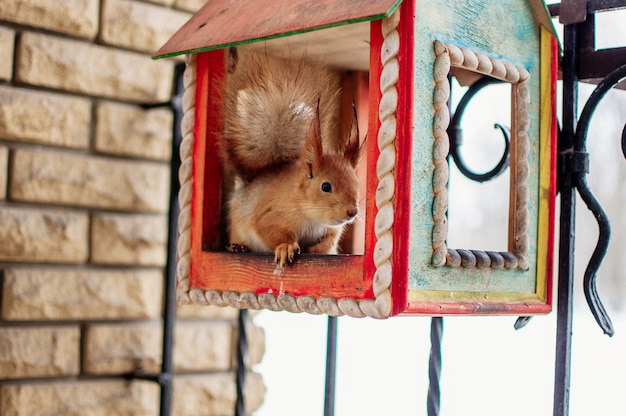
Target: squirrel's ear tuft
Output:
[(233, 57), (352, 152), (313, 151)]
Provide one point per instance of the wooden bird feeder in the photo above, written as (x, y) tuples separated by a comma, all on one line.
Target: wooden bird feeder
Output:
[(396, 58)]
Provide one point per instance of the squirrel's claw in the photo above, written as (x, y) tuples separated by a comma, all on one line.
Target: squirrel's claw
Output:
[(237, 248), (283, 254)]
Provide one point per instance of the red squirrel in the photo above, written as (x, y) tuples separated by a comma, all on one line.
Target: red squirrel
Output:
[(297, 186)]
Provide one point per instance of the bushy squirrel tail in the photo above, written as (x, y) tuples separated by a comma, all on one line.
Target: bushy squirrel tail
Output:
[(270, 105)]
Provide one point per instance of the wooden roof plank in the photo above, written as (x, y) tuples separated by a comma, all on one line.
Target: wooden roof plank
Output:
[(222, 23)]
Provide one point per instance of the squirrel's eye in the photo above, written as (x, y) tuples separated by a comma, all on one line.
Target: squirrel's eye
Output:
[(326, 187)]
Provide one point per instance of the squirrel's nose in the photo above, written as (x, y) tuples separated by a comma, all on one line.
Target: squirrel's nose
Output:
[(352, 213)]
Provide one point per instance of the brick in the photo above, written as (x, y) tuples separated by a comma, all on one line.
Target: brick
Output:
[(4, 170), (72, 17), (119, 349), (128, 130), (122, 348), (7, 42), (60, 120), (210, 312), (92, 69), (129, 239), (38, 235), (206, 312), (79, 180), (190, 353), (214, 394), (256, 344), (67, 294), (139, 26), (189, 5), (81, 398), (39, 351)]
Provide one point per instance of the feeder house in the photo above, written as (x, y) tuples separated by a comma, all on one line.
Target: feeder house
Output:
[(396, 60)]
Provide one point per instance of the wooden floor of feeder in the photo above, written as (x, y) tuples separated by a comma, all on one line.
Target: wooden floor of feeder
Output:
[(312, 275)]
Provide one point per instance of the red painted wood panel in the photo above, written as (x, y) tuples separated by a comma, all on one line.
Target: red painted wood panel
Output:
[(371, 149), (213, 170), (198, 155), (476, 308), (404, 117), (338, 276)]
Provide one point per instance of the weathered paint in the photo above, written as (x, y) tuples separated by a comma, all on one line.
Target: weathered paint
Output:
[(223, 23), (504, 30)]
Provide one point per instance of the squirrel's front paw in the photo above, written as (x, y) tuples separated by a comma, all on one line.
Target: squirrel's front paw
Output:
[(284, 253)]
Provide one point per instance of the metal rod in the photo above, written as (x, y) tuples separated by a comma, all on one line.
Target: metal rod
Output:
[(455, 135), (331, 367), (567, 228), (594, 6), (242, 359), (169, 308), (589, 281), (434, 366)]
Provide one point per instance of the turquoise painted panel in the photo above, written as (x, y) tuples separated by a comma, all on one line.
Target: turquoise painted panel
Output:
[(505, 30)]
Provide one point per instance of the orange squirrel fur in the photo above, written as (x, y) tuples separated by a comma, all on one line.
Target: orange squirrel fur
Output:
[(298, 186)]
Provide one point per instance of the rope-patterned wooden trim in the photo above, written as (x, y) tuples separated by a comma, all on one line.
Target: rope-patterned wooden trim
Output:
[(447, 56), (183, 248), (381, 306), (385, 166)]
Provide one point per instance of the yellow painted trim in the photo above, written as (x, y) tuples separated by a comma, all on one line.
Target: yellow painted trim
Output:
[(436, 296), (545, 157)]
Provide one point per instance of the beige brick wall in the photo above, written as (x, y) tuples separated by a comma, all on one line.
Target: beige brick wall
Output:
[(126, 130), (7, 39), (61, 120), (84, 190), (44, 351)]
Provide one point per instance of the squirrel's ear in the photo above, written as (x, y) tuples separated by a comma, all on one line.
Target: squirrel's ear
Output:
[(352, 151), (313, 151)]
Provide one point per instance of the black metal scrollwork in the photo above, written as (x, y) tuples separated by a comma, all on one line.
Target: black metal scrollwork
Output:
[(455, 134), (577, 163), (580, 181)]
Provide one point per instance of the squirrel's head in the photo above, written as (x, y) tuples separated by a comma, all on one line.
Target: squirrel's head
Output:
[(331, 182)]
